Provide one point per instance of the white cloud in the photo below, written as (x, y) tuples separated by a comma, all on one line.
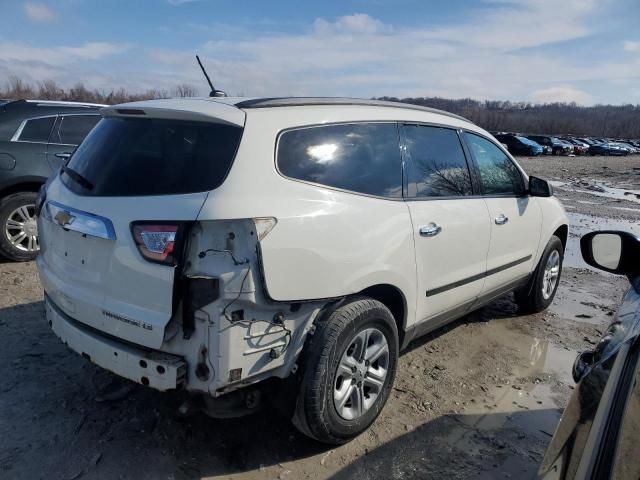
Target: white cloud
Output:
[(487, 55), (631, 46), (358, 23), (562, 93), (60, 55), (39, 12)]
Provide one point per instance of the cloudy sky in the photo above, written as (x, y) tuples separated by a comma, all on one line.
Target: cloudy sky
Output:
[(587, 51)]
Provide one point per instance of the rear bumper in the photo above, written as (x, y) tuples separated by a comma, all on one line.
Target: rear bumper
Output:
[(142, 365)]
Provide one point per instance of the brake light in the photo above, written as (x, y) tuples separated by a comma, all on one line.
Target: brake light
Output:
[(156, 241)]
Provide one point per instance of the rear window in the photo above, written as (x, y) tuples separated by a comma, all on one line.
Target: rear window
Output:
[(137, 157), (37, 130)]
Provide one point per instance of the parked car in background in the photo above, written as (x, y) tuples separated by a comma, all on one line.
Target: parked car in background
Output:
[(225, 247), (519, 145), (568, 144), (599, 433), (36, 138), (557, 147), (607, 148), (632, 149), (579, 147)]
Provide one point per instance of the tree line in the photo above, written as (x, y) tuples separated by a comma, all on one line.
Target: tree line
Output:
[(16, 88), (615, 121)]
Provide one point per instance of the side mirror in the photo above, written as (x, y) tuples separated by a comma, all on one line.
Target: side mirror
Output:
[(539, 187), (612, 251)]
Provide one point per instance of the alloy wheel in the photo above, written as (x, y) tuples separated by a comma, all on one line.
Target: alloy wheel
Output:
[(361, 373), (551, 274), (21, 229)]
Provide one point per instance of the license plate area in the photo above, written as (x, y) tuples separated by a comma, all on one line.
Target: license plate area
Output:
[(82, 257)]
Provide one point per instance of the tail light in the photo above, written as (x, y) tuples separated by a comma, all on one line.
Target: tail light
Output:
[(156, 242)]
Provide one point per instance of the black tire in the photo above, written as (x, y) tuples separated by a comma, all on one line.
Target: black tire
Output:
[(530, 299), (316, 415), (8, 205)]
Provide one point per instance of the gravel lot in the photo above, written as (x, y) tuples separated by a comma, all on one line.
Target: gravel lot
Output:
[(479, 398)]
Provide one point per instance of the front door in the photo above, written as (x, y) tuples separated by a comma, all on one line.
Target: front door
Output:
[(515, 217), (451, 224)]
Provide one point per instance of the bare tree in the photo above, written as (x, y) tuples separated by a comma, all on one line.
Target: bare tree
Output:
[(618, 121), (185, 90)]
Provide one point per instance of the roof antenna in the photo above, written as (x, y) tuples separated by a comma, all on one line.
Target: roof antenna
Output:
[(213, 92)]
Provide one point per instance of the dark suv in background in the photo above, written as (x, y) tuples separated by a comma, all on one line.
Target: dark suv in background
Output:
[(558, 147), (36, 138)]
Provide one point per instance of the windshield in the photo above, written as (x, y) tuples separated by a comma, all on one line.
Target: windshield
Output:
[(135, 157), (526, 140)]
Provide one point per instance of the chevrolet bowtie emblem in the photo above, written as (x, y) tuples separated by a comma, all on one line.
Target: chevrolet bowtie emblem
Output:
[(64, 218)]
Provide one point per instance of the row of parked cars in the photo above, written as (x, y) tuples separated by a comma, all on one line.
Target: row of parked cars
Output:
[(533, 145)]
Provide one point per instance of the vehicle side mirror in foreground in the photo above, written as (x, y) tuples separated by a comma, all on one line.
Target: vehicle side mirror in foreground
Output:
[(539, 187), (612, 251)]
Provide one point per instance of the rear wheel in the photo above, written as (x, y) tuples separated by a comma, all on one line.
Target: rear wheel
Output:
[(18, 227), (539, 293), (350, 368)]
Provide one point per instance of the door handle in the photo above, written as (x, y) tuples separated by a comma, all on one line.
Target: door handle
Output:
[(501, 219), (64, 156), (430, 230)]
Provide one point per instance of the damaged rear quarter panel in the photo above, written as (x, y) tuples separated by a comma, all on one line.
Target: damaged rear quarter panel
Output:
[(246, 337)]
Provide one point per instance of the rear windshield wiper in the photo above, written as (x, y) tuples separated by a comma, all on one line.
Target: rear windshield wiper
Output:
[(78, 178)]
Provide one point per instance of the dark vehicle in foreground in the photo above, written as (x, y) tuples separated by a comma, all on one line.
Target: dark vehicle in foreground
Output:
[(36, 138), (519, 145), (557, 147), (599, 433)]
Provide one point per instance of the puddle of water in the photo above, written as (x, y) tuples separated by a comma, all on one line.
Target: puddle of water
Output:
[(545, 361), (581, 224), (569, 304), (603, 190)]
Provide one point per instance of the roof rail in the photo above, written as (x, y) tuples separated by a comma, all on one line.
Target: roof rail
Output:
[(65, 103), (320, 101)]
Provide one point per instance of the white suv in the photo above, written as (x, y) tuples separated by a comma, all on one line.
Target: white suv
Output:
[(286, 249)]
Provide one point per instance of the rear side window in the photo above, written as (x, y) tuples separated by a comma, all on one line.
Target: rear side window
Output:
[(136, 157), (438, 167), (73, 128), (361, 157), (37, 130), (498, 174)]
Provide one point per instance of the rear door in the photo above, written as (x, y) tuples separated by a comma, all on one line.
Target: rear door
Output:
[(68, 133), (112, 226), (516, 218), (25, 151), (451, 224)]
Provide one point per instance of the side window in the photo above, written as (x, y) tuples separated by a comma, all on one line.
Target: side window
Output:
[(498, 174), (73, 128), (360, 157), (37, 130), (438, 167)]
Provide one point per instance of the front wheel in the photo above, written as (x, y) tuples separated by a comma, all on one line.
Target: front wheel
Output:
[(539, 293), (18, 227), (350, 367)]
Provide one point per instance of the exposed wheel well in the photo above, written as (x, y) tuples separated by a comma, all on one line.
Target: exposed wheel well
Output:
[(562, 233), (21, 187), (394, 300)]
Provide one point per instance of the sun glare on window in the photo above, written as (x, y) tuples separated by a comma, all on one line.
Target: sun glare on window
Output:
[(324, 153)]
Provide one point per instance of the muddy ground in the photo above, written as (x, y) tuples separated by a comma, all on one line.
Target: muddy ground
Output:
[(479, 398)]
